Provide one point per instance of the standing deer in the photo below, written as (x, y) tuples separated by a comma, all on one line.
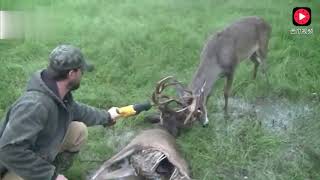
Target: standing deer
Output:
[(245, 38)]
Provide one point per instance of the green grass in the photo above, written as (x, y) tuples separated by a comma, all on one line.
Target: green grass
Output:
[(135, 43)]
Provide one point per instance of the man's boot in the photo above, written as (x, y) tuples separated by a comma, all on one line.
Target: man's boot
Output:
[(64, 161)]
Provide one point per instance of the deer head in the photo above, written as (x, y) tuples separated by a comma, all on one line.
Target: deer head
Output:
[(176, 113)]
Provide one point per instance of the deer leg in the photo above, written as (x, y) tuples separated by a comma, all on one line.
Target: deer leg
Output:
[(261, 58), (256, 62), (204, 102), (227, 90), (262, 53)]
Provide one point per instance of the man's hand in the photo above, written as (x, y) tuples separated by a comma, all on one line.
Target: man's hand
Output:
[(114, 113), (61, 177)]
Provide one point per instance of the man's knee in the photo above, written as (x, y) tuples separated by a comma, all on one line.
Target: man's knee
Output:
[(11, 176), (76, 137)]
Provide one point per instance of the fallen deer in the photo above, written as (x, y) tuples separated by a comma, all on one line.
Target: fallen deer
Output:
[(245, 38), (150, 155)]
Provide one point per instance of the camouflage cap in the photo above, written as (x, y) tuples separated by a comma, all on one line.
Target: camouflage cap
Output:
[(65, 57)]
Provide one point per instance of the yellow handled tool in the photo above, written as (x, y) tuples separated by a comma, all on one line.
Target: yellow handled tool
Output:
[(135, 109)]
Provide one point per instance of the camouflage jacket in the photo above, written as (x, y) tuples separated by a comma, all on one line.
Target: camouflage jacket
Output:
[(34, 128)]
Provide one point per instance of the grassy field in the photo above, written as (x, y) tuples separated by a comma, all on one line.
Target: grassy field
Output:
[(135, 43)]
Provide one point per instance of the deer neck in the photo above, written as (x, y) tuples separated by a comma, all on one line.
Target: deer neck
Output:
[(208, 72), (198, 79)]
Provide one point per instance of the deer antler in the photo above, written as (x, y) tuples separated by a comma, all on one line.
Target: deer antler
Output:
[(170, 81), (161, 85), (194, 105)]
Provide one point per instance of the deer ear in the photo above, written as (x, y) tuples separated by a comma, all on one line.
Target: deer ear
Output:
[(203, 86), (180, 90), (202, 91)]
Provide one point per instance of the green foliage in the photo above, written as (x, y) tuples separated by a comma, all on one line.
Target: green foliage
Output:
[(135, 43)]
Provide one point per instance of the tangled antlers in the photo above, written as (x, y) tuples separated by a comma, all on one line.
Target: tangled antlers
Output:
[(160, 99)]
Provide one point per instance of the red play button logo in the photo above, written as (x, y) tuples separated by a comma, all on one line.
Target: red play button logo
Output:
[(301, 16)]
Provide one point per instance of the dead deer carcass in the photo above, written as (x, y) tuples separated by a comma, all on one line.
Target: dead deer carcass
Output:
[(150, 155), (245, 38)]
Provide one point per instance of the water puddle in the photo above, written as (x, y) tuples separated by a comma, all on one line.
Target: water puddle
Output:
[(273, 114)]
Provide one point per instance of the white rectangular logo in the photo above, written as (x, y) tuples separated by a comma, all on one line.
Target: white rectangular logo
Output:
[(11, 25)]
